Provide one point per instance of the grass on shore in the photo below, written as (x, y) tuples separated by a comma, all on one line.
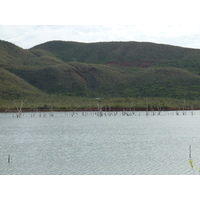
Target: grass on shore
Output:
[(54, 102)]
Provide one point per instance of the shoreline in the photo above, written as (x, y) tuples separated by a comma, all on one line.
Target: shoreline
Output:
[(95, 110)]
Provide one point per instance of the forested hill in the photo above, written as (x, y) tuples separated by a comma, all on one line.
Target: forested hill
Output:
[(138, 54), (109, 69)]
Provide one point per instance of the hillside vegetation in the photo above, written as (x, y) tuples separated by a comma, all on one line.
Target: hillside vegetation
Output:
[(125, 54), (105, 69)]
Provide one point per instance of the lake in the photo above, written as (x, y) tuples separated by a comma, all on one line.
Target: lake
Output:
[(106, 143)]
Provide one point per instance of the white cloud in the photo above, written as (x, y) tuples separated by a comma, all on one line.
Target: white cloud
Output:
[(29, 36)]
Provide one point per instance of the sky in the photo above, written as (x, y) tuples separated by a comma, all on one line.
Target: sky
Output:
[(27, 36), (171, 22)]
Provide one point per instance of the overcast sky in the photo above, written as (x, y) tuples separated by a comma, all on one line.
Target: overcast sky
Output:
[(174, 22), (29, 36)]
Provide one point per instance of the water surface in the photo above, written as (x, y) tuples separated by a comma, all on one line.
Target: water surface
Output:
[(85, 143)]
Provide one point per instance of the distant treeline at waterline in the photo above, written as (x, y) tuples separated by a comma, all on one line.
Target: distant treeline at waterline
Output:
[(64, 103)]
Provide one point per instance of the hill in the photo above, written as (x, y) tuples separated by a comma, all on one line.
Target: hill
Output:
[(104, 69), (125, 54), (13, 86), (11, 54)]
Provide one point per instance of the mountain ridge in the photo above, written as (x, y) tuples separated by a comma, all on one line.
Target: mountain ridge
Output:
[(114, 69), (124, 51)]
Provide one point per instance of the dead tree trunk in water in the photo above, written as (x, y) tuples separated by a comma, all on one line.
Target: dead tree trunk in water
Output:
[(9, 159), (19, 108)]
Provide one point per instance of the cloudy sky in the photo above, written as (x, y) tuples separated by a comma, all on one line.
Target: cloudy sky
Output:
[(172, 22), (31, 35)]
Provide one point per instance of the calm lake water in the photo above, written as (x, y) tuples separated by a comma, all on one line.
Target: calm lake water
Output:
[(84, 143)]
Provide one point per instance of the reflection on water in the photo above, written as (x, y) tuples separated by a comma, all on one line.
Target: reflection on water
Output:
[(85, 143)]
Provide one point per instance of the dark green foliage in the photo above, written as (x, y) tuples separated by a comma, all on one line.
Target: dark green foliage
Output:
[(12, 86), (127, 53), (107, 69)]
